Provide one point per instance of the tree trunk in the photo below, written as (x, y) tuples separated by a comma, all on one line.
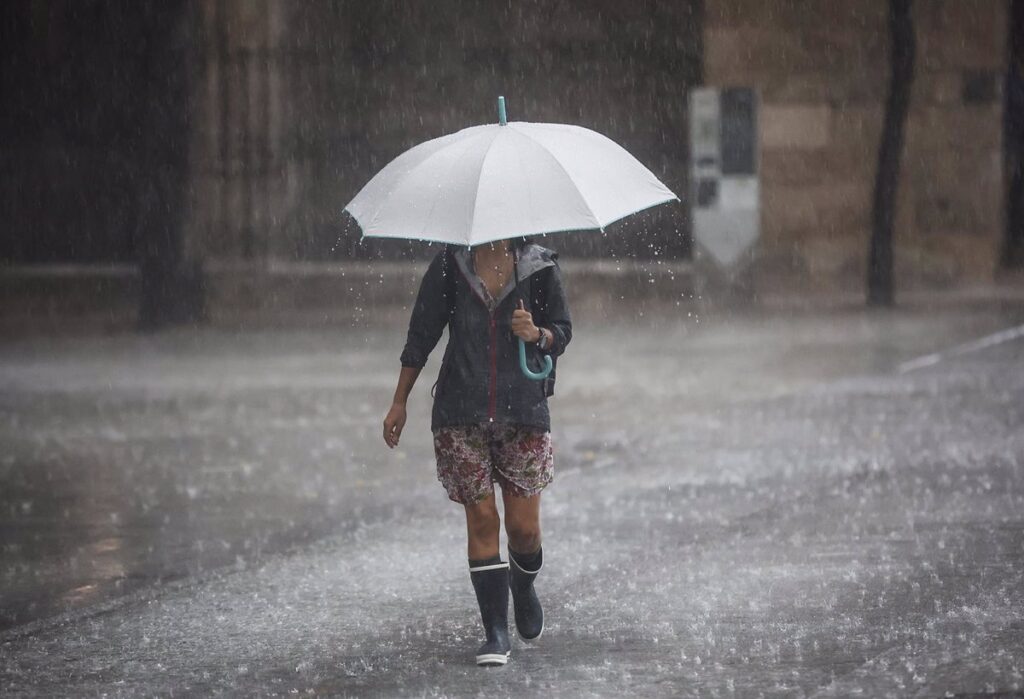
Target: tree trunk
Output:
[(1013, 141), (901, 56)]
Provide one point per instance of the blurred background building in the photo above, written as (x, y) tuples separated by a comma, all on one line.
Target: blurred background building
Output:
[(822, 69), (189, 159)]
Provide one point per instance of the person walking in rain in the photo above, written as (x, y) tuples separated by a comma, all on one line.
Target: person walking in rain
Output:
[(490, 422)]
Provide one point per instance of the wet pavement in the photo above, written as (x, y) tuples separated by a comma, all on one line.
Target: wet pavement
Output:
[(744, 505)]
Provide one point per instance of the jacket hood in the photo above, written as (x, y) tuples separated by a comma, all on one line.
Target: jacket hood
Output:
[(532, 259)]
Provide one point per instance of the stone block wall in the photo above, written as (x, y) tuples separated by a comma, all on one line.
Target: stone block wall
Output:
[(241, 179), (822, 70)]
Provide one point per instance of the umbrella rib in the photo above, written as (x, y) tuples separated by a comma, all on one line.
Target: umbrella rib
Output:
[(438, 144), (383, 205), (476, 193), (549, 154)]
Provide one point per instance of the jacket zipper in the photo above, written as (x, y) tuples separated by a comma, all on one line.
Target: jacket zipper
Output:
[(494, 369), (492, 402)]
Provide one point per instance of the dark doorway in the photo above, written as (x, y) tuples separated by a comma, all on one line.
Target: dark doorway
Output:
[(94, 129), (1013, 140)]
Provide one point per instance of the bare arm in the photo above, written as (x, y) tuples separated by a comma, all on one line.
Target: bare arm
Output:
[(429, 317), (395, 419), (406, 379)]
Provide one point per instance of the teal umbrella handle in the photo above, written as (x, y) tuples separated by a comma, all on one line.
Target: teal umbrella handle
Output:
[(543, 374)]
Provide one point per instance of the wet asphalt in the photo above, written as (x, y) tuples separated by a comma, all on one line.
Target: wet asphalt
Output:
[(745, 504)]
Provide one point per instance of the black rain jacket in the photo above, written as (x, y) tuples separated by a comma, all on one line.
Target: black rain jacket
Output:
[(480, 379)]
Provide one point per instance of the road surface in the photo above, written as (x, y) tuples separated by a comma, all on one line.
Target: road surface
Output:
[(744, 505)]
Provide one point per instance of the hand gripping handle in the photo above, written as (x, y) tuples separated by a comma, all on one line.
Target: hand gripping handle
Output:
[(537, 376)]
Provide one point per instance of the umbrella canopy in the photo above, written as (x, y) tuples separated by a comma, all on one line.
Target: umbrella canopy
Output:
[(500, 181)]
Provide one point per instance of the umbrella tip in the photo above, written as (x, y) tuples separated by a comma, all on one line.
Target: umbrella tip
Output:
[(501, 110)]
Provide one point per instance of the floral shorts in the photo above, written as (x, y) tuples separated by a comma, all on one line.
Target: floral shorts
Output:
[(470, 458)]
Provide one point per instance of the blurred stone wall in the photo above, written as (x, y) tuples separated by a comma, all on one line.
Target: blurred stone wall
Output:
[(822, 70), (295, 105), (302, 103), (240, 151)]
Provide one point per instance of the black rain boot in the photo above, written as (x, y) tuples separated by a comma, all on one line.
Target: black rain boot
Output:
[(528, 612), (490, 580)]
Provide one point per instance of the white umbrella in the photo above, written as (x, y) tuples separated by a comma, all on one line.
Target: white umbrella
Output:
[(505, 180), (502, 181)]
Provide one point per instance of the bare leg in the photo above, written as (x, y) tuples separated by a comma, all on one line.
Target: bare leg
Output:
[(522, 522), (482, 527)]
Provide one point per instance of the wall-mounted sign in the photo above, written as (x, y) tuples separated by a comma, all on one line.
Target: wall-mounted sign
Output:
[(724, 173)]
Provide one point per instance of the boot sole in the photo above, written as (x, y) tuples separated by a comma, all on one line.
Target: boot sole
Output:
[(493, 659)]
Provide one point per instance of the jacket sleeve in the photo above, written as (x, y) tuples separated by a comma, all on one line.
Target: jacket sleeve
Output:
[(555, 311), (429, 315)]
